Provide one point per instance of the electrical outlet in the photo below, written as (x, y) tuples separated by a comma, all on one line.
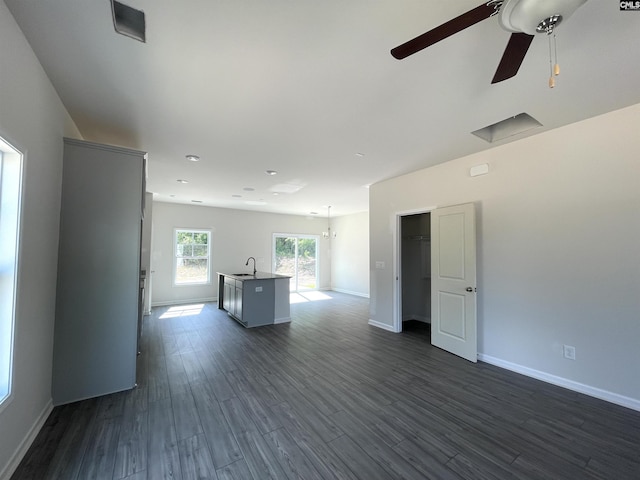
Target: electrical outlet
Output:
[(569, 352)]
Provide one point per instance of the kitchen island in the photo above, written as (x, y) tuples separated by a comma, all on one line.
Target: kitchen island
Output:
[(254, 300)]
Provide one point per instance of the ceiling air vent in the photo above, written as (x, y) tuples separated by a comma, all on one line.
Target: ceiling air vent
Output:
[(128, 21), (507, 128)]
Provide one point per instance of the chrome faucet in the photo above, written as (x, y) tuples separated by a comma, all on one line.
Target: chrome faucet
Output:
[(254, 264)]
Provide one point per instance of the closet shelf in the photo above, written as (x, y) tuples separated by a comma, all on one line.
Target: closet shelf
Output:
[(422, 238)]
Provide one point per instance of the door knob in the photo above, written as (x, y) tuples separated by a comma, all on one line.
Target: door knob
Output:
[(469, 289)]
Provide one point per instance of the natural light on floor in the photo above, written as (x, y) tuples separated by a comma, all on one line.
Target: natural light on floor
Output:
[(312, 296), (183, 311)]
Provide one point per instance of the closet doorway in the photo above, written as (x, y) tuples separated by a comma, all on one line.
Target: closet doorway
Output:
[(435, 272), (415, 274)]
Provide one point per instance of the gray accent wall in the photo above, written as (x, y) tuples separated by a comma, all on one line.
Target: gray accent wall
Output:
[(558, 252), (34, 120)]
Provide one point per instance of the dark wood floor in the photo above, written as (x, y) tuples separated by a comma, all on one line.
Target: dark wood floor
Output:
[(327, 397)]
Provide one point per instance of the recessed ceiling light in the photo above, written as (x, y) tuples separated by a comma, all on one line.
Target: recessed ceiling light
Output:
[(182, 181), (193, 158), (275, 194), (271, 172), (248, 189), (359, 154), (236, 196), (196, 201)]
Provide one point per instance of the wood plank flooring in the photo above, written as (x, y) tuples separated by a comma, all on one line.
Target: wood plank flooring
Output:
[(326, 397)]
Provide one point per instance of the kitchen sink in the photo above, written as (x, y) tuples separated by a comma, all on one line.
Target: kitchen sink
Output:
[(242, 274)]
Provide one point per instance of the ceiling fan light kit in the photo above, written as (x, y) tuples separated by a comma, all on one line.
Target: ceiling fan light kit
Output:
[(549, 24), (523, 18), (527, 16)]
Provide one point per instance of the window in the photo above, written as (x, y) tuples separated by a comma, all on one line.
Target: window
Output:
[(297, 256), (193, 257), (10, 186)]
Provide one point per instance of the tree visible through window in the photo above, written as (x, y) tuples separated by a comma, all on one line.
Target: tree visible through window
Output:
[(192, 257), (297, 256)]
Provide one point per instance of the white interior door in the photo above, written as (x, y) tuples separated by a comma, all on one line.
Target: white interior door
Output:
[(453, 280)]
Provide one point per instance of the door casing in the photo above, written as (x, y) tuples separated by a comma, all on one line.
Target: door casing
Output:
[(397, 264)]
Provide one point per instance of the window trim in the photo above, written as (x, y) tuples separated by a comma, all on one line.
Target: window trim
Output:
[(175, 256), (14, 179)]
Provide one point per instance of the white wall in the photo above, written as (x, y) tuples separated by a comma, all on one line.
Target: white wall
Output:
[(558, 250), (34, 120), (350, 254), (237, 235)]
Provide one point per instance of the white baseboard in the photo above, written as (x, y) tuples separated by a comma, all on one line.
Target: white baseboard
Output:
[(282, 320), (628, 402), (350, 292), (184, 302), (22, 449), (383, 326)]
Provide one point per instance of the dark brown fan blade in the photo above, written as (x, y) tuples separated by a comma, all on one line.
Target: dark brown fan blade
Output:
[(443, 31), (513, 56)]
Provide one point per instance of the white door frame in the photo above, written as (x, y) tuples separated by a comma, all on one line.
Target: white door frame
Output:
[(397, 264)]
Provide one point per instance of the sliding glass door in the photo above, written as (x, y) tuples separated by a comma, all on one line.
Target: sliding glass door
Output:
[(297, 256)]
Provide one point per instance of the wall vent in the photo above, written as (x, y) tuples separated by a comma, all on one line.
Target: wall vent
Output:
[(507, 128), (128, 21)]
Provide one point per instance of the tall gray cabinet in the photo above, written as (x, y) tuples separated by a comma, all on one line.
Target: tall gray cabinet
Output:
[(97, 304)]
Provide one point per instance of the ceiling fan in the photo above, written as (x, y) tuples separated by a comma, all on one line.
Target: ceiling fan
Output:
[(524, 18)]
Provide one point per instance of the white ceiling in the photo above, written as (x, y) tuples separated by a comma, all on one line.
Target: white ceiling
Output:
[(303, 86)]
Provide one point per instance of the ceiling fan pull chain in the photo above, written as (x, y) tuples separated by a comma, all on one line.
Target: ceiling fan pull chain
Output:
[(552, 81), (556, 67)]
